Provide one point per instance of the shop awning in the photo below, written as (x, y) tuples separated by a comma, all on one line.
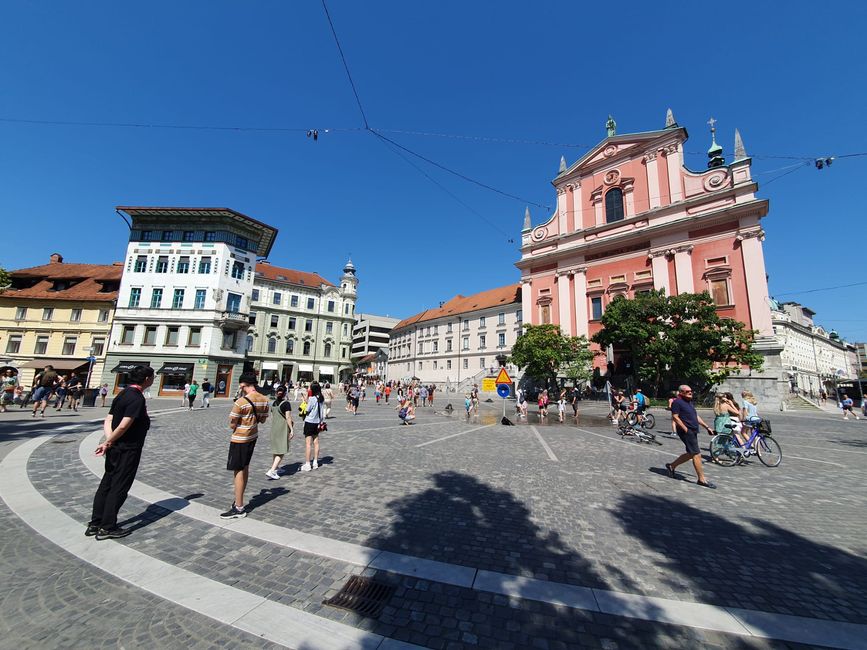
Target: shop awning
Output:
[(175, 369), (126, 366), (58, 363), (305, 367), (269, 365), (326, 370)]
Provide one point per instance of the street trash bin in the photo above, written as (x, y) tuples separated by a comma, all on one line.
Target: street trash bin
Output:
[(90, 397)]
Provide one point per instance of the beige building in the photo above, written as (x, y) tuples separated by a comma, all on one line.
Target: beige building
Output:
[(58, 314)]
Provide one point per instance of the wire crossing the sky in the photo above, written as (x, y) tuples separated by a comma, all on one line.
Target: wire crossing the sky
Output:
[(345, 66)]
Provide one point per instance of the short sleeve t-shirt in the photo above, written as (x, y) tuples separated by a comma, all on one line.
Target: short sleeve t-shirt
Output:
[(750, 408), (47, 378), (687, 413), (130, 403)]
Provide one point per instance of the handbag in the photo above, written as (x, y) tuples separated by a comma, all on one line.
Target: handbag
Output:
[(322, 426)]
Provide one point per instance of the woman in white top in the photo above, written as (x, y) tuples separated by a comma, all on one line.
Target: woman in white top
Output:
[(315, 416), (328, 394)]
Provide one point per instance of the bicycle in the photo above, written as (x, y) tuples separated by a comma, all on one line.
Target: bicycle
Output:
[(636, 433), (644, 419), (726, 450)]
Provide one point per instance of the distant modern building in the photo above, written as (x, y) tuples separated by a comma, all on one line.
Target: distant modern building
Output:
[(58, 314), (459, 341), (631, 217), (300, 324), (370, 333), (184, 300), (813, 358)]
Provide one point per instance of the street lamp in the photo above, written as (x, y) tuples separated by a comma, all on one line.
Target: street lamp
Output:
[(90, 359)]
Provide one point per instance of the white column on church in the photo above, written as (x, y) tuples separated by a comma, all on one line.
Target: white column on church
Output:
[(564, 303), (527, 312), (674, 159), (581, 315), (659, 264), (652, 179), (561, 210), (683, 269), (757, 285)]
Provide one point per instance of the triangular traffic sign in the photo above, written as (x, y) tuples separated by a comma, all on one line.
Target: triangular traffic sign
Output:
[(503, 377)]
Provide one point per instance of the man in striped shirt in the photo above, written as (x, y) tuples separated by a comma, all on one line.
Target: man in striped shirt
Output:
[(249, 411)]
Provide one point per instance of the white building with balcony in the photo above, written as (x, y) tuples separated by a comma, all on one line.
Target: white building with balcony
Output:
[(184, 300), (457, 343)]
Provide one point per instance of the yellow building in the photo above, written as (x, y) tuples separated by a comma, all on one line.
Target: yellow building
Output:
[(58, 314)]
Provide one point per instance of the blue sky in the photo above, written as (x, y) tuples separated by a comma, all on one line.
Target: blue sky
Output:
[(790, 77)]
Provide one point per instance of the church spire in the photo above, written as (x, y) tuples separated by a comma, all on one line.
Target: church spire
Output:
[(714, 154), (669, 120), (527, 225), (740, 151), (562, 164)]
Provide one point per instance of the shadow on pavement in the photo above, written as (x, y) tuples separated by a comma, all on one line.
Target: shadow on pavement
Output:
[(265, 495), (756, 565)]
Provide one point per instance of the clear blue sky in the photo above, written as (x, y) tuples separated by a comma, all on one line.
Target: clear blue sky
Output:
[(789, 76)]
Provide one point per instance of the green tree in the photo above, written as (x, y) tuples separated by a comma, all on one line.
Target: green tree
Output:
[(678, 338), (544, 352)]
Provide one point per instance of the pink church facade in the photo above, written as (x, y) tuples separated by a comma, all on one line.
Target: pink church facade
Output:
[(631, 217)]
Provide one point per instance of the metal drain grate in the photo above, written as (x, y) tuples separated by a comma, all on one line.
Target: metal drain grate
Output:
[(362, 595)]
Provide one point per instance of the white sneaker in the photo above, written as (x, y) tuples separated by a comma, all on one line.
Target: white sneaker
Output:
[(315, 464), (273, 475), (305, 467)]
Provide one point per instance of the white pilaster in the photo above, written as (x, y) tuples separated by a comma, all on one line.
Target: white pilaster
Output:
[(528, 315), (659, 264), (674, 159), (564, 304), (757, 284), (561, 210), (581, 316), (683, 269), (653, 190)]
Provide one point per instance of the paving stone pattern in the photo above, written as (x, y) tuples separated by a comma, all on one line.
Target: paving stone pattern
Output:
[(787, 540), (421, 612)]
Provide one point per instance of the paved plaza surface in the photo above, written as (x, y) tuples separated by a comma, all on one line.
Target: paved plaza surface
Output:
[(541, 535)]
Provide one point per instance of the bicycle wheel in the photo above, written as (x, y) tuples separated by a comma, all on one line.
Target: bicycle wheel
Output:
[(768, 451), (723, 451), (649, 421), (630, 418)]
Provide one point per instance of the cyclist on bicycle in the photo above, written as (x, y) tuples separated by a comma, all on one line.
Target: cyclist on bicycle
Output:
[(640, 402), (749, 414)]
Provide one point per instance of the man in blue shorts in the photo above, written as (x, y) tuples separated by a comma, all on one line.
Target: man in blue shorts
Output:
[(43, 388), (687, 421)]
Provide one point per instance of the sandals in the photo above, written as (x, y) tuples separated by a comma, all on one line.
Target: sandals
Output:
[(706, 484)]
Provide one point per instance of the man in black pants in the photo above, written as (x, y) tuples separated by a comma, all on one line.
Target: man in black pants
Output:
[(125, 426)]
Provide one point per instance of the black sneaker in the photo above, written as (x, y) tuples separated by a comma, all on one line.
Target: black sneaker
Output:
[(670, 469), (91, 530), (112, 533), (233, 513)]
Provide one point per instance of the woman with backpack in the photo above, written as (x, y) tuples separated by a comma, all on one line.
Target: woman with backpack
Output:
[(282, 431), (314, 424)]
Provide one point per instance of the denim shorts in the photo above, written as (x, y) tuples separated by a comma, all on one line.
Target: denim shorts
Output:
[(41, 393)]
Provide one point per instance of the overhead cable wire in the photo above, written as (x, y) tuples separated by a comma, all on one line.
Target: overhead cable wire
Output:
[(421, 171), (345, 66), (458, 174), (803, 165), (839, 286), (190, 127)]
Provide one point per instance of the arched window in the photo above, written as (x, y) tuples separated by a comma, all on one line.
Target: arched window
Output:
[(614, 205), (307, 348), (272, 345), (249, 342), (327, 349), (290, 346)]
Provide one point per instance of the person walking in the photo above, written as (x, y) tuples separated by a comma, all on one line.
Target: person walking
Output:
[(354, 394), (248, 412), (103, 393), (573, 400), (207, 389), (192, 392), (422, 392), (387, 392), (282, 431), (687, 419), (430, 394), (60, 392), (846, 403), (186, 394), (328, 394), (8, 384), (43, 386), (314, 419), (474, 396), (561, 407), (125, 428)]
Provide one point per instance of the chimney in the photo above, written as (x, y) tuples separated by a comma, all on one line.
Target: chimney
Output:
[(56, 258)]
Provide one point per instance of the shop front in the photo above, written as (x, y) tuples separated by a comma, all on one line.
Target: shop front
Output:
[(326, 374), (269, 372), (121, 372), (174, 377), (305, 372)]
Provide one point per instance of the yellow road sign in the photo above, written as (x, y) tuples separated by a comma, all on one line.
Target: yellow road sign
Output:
[(503, 377)]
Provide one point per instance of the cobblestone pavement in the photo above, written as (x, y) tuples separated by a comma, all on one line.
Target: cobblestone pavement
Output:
[(787, 540)]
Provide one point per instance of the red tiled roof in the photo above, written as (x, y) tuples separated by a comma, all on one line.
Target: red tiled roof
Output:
[(87, 288), (291, 276), (463, 304)]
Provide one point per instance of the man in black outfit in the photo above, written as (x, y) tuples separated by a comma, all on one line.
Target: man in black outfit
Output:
[(125, 426)]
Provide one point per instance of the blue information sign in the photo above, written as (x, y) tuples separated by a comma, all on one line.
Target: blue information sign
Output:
[(503, 390)]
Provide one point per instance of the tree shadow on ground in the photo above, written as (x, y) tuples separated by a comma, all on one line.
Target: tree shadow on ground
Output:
[(464, 521), (755, 565)]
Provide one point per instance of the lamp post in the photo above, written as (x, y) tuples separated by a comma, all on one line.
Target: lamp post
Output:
[(90, 359)]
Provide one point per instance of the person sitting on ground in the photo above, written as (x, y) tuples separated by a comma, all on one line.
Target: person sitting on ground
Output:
[(406, 412)]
